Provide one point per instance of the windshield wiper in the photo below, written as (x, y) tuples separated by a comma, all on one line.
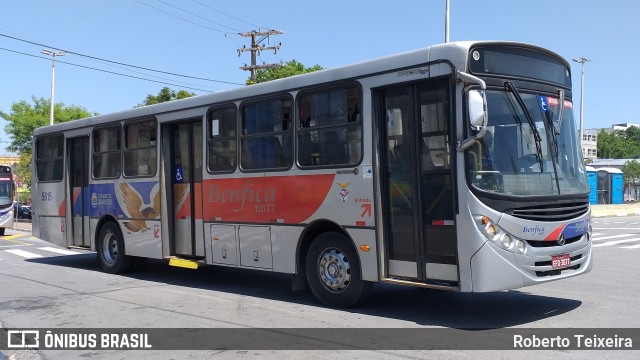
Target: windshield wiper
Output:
[(560, 110), (536, 135), (554, 130)]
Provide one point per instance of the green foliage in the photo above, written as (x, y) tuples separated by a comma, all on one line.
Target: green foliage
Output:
[(631, 171), (165, 95), (290, 68), (619, 144), (23, 169), (25, 117)]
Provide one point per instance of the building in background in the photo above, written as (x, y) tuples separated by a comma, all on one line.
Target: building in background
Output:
[(590, 144)]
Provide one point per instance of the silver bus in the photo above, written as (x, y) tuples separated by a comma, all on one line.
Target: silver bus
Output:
[(456, 167)]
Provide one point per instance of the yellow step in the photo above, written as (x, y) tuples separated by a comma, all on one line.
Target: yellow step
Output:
[(183, 263)]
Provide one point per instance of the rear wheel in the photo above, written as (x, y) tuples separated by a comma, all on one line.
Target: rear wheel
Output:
[(2, 231), (333, 271), (111, 250)]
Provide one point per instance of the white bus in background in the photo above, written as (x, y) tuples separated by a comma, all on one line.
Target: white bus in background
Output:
[(7, 191), (454, 167)]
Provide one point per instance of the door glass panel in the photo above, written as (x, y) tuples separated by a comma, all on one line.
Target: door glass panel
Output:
[(398, 111), (181, 179)]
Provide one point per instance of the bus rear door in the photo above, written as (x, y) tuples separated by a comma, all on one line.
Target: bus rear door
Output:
[(78, 150)]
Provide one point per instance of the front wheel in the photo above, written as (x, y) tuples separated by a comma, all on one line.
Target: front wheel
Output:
[(333, 271), (111, 250)]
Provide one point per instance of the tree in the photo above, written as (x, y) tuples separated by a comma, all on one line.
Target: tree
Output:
[(165, 95), (631, 171), (290, 68), (619, 144), (25, 117)]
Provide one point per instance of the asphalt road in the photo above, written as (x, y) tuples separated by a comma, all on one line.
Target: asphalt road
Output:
[(42, 286)]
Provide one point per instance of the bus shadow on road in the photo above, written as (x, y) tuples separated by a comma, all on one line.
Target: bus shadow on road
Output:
[(426, 307)]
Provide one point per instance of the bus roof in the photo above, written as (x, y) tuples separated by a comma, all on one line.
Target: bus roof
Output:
[(456, 52)]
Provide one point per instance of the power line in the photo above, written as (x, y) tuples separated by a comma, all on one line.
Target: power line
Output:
[(196, 15), (119, 63), (105, 71), (183, 19), (231, 16)]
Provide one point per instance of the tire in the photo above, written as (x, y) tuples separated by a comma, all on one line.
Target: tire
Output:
[(333, 271), (111, 255), (2, 231)]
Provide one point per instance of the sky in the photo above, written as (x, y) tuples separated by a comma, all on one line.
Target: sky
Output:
[(199, 38)]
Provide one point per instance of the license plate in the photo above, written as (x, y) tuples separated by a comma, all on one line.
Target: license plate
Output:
[(561, 261)]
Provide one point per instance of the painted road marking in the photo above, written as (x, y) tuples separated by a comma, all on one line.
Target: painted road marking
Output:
[(60, 251), (613, 237), (24, 254), (610, 243), (631, 247), (11, 237)]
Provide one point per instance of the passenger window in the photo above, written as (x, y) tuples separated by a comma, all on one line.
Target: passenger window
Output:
[(330, 128), (222, 143), (266, 140), (140, 154), (49, 158), (107, 160)]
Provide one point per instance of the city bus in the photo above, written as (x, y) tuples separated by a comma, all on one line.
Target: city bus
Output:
[(6, 198), (455, 167)]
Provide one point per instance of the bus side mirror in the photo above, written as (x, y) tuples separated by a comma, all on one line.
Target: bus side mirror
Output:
[(477, 110), (477, 102)]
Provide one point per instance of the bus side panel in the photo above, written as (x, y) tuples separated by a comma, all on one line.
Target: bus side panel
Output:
[(284, 242), (137, 208), (366, 238), (49, 202)]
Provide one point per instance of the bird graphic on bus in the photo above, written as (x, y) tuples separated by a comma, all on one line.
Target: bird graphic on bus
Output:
[(137, 210)]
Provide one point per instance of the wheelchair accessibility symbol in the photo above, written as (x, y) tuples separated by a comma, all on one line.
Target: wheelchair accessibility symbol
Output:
[(179, 174)]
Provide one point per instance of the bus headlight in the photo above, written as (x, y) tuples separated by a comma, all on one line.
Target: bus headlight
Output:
[(521, 246), (490, 231), (506, 241)]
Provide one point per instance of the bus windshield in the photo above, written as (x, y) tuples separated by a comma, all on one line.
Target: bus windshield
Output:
[(521, 157), (6, 197)]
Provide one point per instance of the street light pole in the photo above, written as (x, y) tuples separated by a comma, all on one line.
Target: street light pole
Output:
[(581, 61), (446, 22), (53, 55)]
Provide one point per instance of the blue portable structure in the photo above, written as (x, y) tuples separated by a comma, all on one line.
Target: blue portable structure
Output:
[(592, 178), (610, 186)]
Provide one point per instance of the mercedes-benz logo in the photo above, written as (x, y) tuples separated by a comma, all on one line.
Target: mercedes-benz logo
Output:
[(561, 240)]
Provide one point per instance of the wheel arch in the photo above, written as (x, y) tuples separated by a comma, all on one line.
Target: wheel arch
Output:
[(310, 233), (96, 234)]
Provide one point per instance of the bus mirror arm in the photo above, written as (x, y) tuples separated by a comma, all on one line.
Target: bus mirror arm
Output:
[(466, 143), (477, 109)]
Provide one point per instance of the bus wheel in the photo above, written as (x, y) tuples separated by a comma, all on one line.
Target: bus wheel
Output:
[(111, 250), (2, 231), (333, 271)]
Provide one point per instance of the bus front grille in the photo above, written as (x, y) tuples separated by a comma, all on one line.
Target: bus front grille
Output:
[(552, 212)]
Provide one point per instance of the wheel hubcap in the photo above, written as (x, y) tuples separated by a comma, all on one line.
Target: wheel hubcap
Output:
[(110, 248), (334, 270)]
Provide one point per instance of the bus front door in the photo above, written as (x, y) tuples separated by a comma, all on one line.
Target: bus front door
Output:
[(78, 219), (417, 185), (185, 188)]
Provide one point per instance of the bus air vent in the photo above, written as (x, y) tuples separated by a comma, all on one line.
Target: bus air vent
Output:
[(552, 212)]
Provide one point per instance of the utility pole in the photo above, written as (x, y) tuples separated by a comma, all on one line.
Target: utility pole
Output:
[(53, 55), (256, 48)]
